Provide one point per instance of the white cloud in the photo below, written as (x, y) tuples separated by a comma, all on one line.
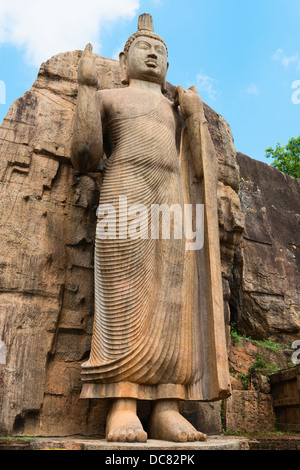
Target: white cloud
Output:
[(44, 29), (286, 60), (252, 89), (207, 86)]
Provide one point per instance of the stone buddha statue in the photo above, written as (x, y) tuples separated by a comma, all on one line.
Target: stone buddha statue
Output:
[(158, 330)]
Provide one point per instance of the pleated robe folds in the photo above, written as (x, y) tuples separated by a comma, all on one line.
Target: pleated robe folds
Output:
[(158, 327)]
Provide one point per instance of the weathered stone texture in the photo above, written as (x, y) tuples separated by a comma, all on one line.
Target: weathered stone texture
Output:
[(265, 300), (47, 223), (251, 406), (249, 411)]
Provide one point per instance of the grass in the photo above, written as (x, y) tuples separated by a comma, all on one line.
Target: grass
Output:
[(266, 343), (244, 379), (261, 365), (235, 335), (16, 438)]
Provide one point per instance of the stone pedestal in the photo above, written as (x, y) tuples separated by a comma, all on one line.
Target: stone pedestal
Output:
[(213, 443)]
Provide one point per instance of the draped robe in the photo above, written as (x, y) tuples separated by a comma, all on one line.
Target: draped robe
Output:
[(155, 332)]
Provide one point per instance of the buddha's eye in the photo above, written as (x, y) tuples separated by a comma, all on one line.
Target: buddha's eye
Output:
[(143, 45), (160, 50)]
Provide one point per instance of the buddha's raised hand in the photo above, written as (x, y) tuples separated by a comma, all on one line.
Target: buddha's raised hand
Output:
[(87, 73), (188, 100)]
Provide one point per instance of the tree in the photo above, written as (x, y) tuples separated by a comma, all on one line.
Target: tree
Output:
[(286, 159)]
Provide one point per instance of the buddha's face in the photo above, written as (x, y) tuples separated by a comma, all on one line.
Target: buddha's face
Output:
[(147, 59)]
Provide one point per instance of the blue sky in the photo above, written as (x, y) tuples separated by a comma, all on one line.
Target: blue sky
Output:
[(243, 56)]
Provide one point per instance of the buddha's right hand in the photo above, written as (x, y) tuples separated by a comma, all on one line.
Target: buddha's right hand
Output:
[(87, 73)]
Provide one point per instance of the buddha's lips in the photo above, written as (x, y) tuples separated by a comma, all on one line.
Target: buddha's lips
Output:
[(151, 63)]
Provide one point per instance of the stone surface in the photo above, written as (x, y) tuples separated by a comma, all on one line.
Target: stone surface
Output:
[(264, 295), (251, 405), (275, 443), (206, 417), (243, 356), (265, 301), (213, 443), (47, 221), (249, 411)]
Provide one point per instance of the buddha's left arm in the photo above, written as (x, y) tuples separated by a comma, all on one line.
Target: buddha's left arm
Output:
[(201, 145)]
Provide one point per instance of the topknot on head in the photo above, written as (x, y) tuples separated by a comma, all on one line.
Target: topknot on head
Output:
[(145, 28), (145, 22)]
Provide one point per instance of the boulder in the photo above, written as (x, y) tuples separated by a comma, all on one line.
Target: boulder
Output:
[(265, 300)]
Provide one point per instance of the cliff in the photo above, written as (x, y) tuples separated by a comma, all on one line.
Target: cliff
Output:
[(265, 300)]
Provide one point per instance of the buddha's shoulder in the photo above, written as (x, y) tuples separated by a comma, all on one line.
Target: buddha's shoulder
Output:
[(126, 93), (128, 102), (113, 94), (115, 99)]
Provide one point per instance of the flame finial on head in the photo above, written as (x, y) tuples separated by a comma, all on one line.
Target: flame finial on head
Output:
[(145, 28), (145, 22)]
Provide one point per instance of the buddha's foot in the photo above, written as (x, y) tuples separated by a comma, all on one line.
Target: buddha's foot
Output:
[(122, 423), (168, 424)]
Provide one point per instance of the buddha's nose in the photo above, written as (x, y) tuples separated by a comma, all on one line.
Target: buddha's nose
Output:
[(152, 55)]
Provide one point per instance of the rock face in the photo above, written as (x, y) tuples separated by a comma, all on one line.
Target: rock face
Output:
[(250, 407), (265, 300), (47, 221)]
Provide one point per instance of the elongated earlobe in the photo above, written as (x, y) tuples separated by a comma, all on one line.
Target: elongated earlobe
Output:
[(124, 75), (164, 83)]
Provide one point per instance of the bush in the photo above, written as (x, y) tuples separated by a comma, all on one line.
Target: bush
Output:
[(286, 159)]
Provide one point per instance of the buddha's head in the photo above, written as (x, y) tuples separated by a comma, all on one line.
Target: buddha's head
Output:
[(145, 55)]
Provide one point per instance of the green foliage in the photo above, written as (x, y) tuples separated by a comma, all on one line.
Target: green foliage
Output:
[(235, 335), (244, 379), (262, 367), (17, 438), (269, 344), (286, 159), (265, 343), (238, 433)]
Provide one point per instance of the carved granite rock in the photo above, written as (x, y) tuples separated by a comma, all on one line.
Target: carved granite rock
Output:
[(47, 221), (265, 300)]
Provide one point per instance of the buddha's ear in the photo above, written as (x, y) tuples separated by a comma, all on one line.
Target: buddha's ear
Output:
[(164, 83), (124, 74)]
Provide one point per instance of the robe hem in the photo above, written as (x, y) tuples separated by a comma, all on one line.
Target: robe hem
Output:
[(147, 392)]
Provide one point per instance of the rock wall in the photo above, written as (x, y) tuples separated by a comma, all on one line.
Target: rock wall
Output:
[(265, 300), (265, 286), (250, 407), (47, 223)]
